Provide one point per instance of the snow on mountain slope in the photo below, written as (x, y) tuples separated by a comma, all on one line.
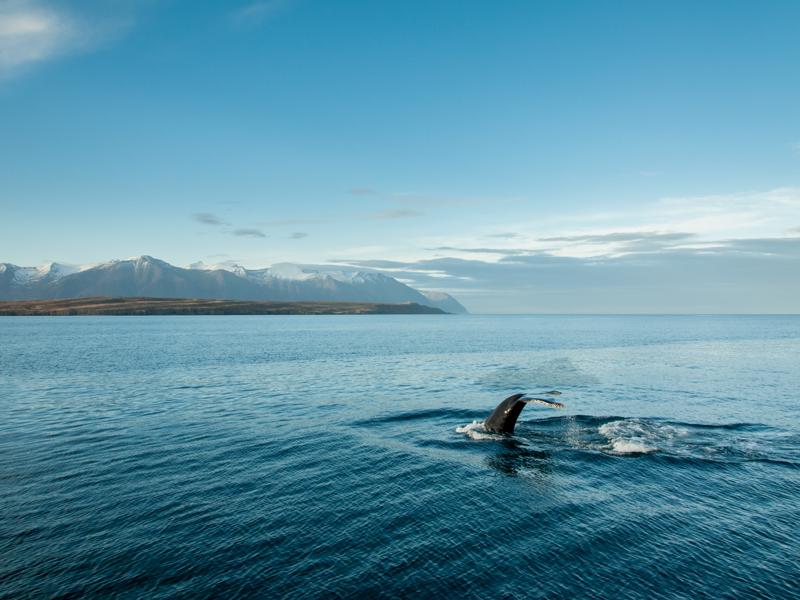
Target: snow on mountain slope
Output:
[(297, 272), (148, 276), (50, 271)]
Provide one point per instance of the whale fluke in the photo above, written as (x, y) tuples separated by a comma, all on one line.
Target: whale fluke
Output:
[(504, 418)]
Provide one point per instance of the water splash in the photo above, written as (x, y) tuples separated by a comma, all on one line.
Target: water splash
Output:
[(477, 431), (637, 436)]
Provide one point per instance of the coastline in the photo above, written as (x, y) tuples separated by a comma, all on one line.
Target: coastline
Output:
[(140, 306)]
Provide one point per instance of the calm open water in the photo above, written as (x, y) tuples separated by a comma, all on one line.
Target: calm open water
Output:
[(315, 457)]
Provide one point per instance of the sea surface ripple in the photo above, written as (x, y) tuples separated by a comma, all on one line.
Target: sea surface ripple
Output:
[(340, 457)]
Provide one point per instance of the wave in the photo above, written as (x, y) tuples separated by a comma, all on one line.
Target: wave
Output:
[(635, 436), (435, 413), (623, 436), (593, 436), (724, 426), (477, 431)]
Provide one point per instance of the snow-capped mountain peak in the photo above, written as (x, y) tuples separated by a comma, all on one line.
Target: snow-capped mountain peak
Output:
[(60, 269), (295, 272), (144, 261), (50, 271), (148, 276), (290, 271)]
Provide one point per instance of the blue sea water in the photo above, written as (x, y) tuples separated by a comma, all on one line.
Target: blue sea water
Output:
[(325, 457)]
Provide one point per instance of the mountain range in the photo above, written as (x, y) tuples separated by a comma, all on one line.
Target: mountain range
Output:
[(147, 276)]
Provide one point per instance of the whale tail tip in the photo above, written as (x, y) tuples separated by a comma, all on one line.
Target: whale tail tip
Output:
[(504, 418)]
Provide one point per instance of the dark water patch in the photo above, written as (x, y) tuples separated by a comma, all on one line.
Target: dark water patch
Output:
[(560, 422), (444, 444), (723, 426), (197, 386), (437, 414)]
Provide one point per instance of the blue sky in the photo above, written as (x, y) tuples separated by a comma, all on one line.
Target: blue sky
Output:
[(524, 156)]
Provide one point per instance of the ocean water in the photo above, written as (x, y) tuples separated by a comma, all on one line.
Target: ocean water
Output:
[(325, 457)]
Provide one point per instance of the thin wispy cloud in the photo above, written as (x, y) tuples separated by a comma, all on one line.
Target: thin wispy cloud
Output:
[(253, 14), (717, 253), (215, 221), (623, 242), (667, 222), (626, 236), (499, 251), (33, 32), (213, 266), (585, 245), (734, 276), (249, 232), (395, 213), (431, 200), (298, 235), (286, 222), (208, 219), (507, 235), (363, 191)]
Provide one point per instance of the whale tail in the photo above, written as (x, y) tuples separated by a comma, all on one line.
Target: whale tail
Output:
[(504, 418)]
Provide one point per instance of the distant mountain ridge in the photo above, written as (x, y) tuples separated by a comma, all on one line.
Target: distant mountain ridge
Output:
[(151, 277), (177, 306)]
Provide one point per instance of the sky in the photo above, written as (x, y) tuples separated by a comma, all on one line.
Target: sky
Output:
[(630, 157)]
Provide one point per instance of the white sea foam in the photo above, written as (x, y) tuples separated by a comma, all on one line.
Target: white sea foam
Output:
[(631, 446), (476, 431), (632, 436)]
